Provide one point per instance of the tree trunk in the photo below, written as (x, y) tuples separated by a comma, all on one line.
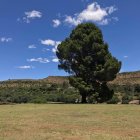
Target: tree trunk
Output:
[(84, 98)]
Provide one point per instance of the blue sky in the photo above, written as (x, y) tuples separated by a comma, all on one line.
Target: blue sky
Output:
[(30, 31)]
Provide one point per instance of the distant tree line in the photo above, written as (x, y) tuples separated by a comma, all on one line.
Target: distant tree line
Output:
[(41, 92), (38, 94)]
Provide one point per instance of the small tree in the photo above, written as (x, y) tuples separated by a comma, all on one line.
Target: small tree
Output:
[(86, 57)]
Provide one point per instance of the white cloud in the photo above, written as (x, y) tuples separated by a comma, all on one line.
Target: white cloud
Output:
[(111, 9), (72, 20), (49, 42), (94, 13), (55, 60), (54, 50), (55, 47), (105, 21), (56, 22), (33, 14), (5, 39), (40, 60), (45, 49), (30, 15), (125, 56), (32, 46), (25, 67)]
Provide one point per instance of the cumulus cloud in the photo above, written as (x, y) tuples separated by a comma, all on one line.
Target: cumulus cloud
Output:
[(32, 46), (5, 39), (30, 15), (49, 42), (40, 60), (33, 14), (55, 47), (93, 13), (56, 23), (55, 60), (25, 67), (72, 20)]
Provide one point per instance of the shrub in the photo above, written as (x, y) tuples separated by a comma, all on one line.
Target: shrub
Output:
[(126, 99), (114, 100)]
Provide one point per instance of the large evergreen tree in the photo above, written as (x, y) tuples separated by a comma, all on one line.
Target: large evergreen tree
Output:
[(85, 56)]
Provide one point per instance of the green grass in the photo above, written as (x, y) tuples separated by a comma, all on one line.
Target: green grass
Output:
[(69, 122)]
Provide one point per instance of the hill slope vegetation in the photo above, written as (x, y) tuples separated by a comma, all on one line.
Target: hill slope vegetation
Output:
[(57, 89)]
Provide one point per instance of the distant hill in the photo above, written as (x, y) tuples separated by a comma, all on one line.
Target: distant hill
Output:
[(56, 79), (126, 87), (126, 78), (121, 79)]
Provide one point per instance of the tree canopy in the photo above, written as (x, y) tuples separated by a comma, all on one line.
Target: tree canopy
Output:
[(86, 57)]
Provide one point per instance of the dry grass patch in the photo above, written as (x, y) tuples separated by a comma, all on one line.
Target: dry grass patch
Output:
[(69, 122)]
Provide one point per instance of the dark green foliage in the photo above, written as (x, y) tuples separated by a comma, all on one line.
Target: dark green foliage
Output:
[(85, 55), (65, 85), (128, 91), (39, 100), (53, 87), (114, 100), (137, 88), (30, 93), (92, 98), (126, 99), (39, 92)]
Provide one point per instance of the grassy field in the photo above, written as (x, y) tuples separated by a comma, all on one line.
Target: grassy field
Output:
[(69, 122)]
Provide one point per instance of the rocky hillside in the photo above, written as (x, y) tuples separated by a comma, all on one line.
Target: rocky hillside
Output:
[(127, 78), (55, 89), (56, 79), (121, 79)]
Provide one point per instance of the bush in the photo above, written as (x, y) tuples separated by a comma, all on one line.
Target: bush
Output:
[(126, 99), (114, 100), (38, 100), (92, 99)]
